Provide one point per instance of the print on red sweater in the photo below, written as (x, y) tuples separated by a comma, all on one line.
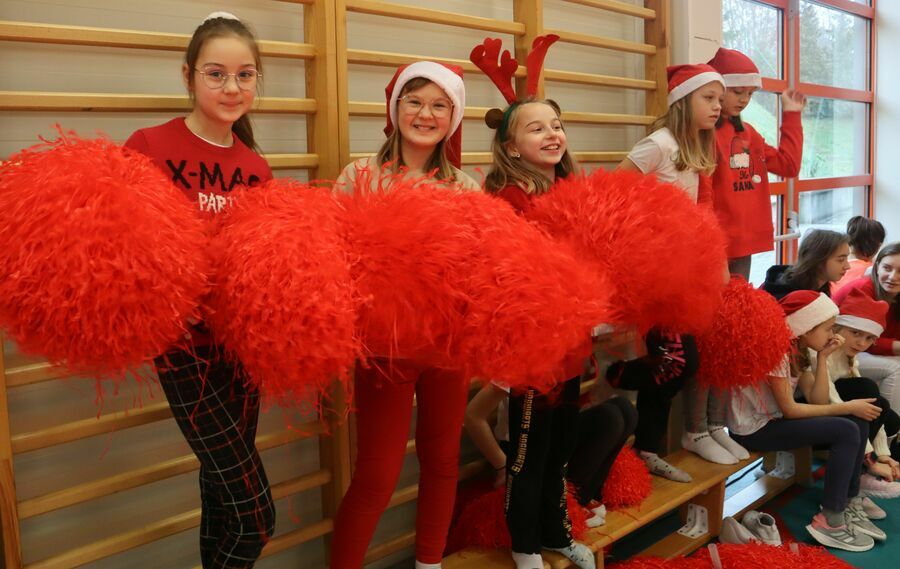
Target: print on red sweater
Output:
[(744, 177)]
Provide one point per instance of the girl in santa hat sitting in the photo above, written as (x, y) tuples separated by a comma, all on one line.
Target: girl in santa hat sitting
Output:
[(766, 417)]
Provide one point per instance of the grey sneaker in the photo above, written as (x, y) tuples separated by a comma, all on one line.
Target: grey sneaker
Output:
[(872, 509), (734, 532), (857, 517), (762, 525), (844, 537), (660, 467)]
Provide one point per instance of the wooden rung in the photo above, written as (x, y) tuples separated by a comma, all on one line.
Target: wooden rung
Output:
[(83, 428), (485, 158), (365, 109), (601, 156), (147, 475), (606, 43), (407, 12), (618, 7), (388, 59), (103, 102), (33, 373), (163, 528), (291, 539), (390, 547), (292, 161), (598, 80), (136, 39)]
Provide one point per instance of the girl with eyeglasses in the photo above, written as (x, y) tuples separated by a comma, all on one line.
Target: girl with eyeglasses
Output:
[(208, 154), (425, 104)]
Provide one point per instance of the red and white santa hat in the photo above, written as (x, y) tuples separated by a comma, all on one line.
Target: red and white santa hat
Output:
[(806, 309), (685, 79), (862, 312), (737, 69)]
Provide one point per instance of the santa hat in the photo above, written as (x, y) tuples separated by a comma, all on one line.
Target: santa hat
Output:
[(862, 312), (685, 79), (806, 309), (448, 78), (737, 69)]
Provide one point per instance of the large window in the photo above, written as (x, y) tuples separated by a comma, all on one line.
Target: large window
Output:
[(831, 64)]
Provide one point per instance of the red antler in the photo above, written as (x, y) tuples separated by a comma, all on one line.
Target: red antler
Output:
[(535, 60), (501, 69)]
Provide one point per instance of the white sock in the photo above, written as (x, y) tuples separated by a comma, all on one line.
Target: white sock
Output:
[(579, 554), (598, 518), (420, 565), (600, 510), (719, 435), (660, 467), (708, 449), (528, 560)]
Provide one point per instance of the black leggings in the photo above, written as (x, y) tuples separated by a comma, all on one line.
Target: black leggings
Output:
[(658, 377), (845, 438), (602, 432), (864, 388)]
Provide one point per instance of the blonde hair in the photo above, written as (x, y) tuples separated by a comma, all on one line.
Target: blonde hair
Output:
[(507, 170), (390, 153), (696, 149)]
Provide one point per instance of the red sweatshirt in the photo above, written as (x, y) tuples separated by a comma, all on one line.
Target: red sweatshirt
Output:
[(883, 346), (741, 181), (573, 365)]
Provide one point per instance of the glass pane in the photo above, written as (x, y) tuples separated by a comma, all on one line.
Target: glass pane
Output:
[(755, 30), (831, 209), (833, 47), (762, 114), (835, 138), (761, 262)]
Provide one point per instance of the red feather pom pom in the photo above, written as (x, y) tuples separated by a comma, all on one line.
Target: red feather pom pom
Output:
[(734, 556), (659, 563), (283, 301), (457, 279), (102, 259), (747, 340), (628, 483), (482, 522), (665, 254)]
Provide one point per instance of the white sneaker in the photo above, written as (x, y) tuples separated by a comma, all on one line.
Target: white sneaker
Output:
[(762, 526), (734, 532), (878, 488), (856, 516)]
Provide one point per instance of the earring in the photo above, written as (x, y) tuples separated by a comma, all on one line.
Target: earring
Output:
[(516, 155)]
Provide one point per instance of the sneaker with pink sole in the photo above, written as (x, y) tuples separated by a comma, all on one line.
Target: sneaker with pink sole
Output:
[(844, 537)]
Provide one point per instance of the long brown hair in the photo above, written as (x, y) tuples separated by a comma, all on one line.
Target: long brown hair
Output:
[(390, 149), (695, 152), (880, 294), (507, 170), (219, 28), (815, 249)]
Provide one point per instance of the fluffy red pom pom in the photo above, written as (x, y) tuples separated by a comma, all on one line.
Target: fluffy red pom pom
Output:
[(659, 563), (747, 340), (787, 556), (283, 301), (482, 522), (102, 259), (628, 483), (665, 254), (457, 279)]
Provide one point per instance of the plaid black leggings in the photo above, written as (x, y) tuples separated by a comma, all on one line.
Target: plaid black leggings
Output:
[(218, 416)]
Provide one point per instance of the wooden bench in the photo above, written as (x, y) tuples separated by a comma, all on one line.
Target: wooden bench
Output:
[(706, 490)]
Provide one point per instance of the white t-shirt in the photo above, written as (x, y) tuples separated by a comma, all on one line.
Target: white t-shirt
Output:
[(655, 154), (754, 406)]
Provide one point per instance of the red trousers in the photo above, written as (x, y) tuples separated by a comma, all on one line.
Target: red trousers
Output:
[(384, 405)]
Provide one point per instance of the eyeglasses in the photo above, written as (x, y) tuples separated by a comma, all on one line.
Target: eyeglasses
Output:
[(216, 78), (440, 108)]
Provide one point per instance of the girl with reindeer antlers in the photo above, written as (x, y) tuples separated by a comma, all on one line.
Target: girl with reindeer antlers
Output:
[(529, 154)]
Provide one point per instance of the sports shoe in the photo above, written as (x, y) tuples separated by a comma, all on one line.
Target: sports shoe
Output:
[(660, 467), (734, 532), (762, 526), (872, 510), (856, 516), (878, 488), (844, 537)]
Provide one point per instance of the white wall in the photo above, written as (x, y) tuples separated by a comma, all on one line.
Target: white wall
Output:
[(887, 120), (696, 30)]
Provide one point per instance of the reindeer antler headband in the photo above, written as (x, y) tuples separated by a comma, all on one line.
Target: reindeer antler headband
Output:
[(501, 68)]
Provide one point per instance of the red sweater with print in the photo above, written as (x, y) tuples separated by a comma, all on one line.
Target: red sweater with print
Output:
[(206, 173), (883, 346), (741, 181), (573, 364)]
